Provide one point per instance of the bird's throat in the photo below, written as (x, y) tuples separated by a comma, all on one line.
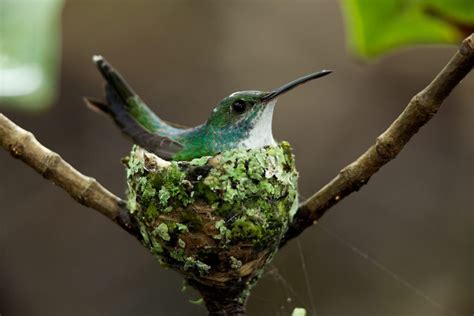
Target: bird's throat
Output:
[(260, 135)]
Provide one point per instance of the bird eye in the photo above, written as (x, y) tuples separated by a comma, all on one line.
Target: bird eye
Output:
[(239, 106)]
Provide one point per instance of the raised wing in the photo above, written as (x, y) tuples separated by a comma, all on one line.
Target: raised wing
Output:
[(132, 102), (161, 145)]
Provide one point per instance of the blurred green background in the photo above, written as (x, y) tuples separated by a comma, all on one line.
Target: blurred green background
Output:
[(182, 57), (29, 52)]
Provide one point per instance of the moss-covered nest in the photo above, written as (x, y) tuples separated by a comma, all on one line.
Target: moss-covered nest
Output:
[(219, 219)]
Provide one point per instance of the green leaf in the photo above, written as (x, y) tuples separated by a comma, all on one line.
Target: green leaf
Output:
[(29, 49), (162, 231), (376, 27), (299, 312), (457, 11)]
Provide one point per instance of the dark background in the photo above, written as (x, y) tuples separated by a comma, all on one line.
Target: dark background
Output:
[(415, 216)]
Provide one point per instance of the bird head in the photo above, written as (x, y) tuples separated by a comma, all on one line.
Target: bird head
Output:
[(247, 116)]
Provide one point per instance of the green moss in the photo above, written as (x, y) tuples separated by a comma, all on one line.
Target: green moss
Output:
[(244, 229), (156, 247), (222, 228), (235, 263), (178, 255), (162, 232), (200, 267), (151, 211), (182, 227), (201, 216), (189, 218)]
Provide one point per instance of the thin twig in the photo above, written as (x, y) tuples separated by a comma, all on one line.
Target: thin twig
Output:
[(88, 191), (418, 112)]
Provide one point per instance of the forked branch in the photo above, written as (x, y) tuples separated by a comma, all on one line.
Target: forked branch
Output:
[(22, 144), (418, 112)]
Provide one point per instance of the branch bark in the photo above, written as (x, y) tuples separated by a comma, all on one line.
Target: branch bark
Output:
[(22, 145), (418, 112)]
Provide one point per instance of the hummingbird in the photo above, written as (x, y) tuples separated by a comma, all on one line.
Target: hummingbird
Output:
[(240, 120)]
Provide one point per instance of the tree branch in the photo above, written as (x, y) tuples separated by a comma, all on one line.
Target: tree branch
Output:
[(23, 145), (418, 112)]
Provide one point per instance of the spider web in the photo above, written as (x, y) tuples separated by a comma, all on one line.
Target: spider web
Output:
[(295, 299)]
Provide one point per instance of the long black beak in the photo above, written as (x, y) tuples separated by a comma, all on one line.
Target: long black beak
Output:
[(287, 87)]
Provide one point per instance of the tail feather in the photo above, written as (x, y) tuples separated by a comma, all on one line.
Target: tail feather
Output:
[(131, 101), (114, 78), (162, 146), (97, 105)]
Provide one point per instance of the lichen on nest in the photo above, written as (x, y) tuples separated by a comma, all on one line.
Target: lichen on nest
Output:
[(215, 219)]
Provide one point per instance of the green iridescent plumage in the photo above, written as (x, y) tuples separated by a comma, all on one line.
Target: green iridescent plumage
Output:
[(241, 120)]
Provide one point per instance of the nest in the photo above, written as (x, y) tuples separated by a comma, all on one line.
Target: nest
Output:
[(217, 220)]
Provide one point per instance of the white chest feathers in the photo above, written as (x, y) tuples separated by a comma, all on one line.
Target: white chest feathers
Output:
[(261, 134)]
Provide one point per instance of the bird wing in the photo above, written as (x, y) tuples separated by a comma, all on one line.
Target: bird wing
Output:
[(115, 107), (132, 102)]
